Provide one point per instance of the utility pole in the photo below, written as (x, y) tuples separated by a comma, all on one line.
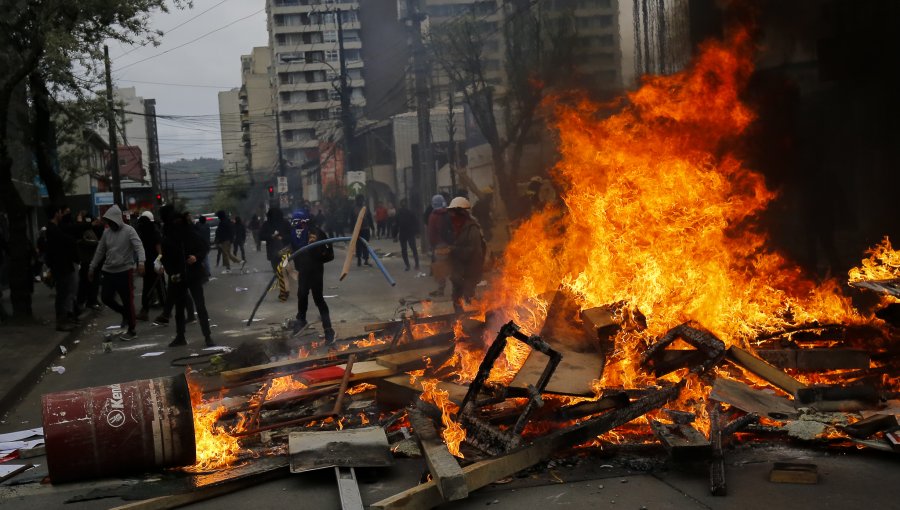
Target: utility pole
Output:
[(152, 144), (111, 120), (347, 119), (424, 177), (281, 169)]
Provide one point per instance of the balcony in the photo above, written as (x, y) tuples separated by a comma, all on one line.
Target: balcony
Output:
[(302, 86)]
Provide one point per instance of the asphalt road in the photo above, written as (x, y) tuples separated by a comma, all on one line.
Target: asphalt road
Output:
[(847, 479)]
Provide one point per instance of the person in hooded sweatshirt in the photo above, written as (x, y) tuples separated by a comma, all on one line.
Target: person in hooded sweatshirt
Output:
[(310, 267), (440, 237), (117, 250), (183, 252), (153, 288)]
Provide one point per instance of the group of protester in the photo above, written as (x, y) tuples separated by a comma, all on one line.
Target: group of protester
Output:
[(104, 256)]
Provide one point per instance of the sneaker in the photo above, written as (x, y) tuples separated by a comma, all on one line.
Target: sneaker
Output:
[(243, 263), (329, 335), (407, 268), (209, 342), (299, 324), (95, 306), (162, 319), (190, 319), (128, 336), (142, 316), (179, 340), (226, 271)]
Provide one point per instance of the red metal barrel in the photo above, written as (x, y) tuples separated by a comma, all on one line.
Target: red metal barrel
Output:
[(118, 429)]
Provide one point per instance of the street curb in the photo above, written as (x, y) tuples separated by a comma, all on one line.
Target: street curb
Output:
[(13, 393)]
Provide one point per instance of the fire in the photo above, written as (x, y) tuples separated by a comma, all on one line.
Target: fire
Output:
[(883, 264), (661, 213), (284, 384), (359, 388), (215, 447), (453, 434), (370, 341)]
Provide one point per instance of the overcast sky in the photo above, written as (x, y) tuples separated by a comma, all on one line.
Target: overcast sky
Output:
[(186, 80)]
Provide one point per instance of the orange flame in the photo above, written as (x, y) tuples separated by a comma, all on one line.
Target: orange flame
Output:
[(283, 384), (453, 433), (883, 264), (215, 447)]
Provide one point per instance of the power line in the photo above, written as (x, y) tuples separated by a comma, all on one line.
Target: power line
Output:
[(181, 84), (176, 27), (191, 41)]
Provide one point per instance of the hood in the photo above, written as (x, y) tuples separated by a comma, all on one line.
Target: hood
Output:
[(438, 202), (114, 214), (274, 214)]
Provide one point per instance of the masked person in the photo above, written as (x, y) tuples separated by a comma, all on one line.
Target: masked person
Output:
[(224, 238), (151, 240), (118, 248), (61, 258), (440, 237), (311, 268), (466, 252), (182, 256)]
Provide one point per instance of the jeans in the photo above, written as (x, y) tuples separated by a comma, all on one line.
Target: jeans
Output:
[(186, 292), (227, 257), (411, 241)]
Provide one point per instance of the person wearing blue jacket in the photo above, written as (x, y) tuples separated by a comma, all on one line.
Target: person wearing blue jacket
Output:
[(311, 268)]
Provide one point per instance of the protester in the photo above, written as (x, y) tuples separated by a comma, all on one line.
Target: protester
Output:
[(254, 226), (310, 267), (362, 253), (87, 296), (466, 254), (153, 284), (118, 248), (440, 237), (381, 216), (321, 221), (240, 237), (407, 229), (392, 222), (224, 238), (275, 232), (4, 265), (182, 253), (61, 259), (167, 214)]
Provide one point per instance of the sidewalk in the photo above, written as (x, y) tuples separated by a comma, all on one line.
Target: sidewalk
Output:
[(27, 349)]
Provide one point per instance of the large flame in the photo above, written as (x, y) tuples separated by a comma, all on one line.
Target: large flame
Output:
[(215, 447), (661, 213)]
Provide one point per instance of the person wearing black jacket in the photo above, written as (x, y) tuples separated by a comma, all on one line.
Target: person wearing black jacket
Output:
[(182, 256), (240, 237), (407, 228), (311, 268), (275, 231), (224, 238), (153, 286), (61, 258), (362, 253)]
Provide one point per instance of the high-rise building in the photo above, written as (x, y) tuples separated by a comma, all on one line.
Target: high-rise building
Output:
[(256, 102), (233, 158), (303, 35)]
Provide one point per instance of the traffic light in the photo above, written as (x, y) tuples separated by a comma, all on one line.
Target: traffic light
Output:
[(159, 199), (271, 192)]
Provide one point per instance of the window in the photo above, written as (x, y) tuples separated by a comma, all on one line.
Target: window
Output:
[(349, 17), (329, 36), (331, 55), (351, 35), (352, 55)]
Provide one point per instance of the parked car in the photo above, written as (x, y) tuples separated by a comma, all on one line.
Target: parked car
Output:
[(212, 221)]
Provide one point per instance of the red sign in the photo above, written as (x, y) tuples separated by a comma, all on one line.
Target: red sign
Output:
[(331, 165)]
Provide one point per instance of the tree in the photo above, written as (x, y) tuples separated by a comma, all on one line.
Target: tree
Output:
[(49, 48), (537, 55)]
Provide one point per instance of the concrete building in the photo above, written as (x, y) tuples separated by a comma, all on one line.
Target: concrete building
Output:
[(233, 158), (257, 113), (303, 35)]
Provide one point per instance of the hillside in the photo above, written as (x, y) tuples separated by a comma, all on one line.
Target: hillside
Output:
[(194, 180)]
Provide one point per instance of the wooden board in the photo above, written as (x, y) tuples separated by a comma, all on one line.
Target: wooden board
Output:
[(763, 369), (573, 375), (445, 470), (816, 359), (396, 391), (790, 472), (292, 364), (362, 370), (408, 360), (682, 441), (751, 400)]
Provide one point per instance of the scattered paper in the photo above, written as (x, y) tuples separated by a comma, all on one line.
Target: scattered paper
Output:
[(9, 470), (329, 297), (241, 289), (117, 326), (152, 354), (63, 350), (11, 446), (212, 278), (58, 369), (21, 434), (137, 347)]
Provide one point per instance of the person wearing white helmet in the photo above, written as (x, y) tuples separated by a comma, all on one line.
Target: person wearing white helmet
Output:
[(466, 253)]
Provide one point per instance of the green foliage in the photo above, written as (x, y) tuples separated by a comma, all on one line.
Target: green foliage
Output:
[(232, 190)]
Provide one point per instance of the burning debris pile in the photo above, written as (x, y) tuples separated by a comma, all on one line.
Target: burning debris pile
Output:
[(646, 308)]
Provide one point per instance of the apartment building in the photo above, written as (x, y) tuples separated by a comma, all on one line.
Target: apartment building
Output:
[(256, 103), (303, 36), (233, 158)]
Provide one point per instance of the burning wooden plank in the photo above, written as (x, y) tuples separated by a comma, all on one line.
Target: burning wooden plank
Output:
[(483, 473), (408, 360), (615, 400), (869, 426), (398, 392), (763, 369), (750, 400), (816, 359), (573, 376), (445, 471), (682, 441)]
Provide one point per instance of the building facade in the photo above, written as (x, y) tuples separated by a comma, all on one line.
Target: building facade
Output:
[(258, 127), (233, 158)]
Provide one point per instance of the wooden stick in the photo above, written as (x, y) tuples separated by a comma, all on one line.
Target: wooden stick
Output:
[(444, 468), (351, 248), (768, 372)]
